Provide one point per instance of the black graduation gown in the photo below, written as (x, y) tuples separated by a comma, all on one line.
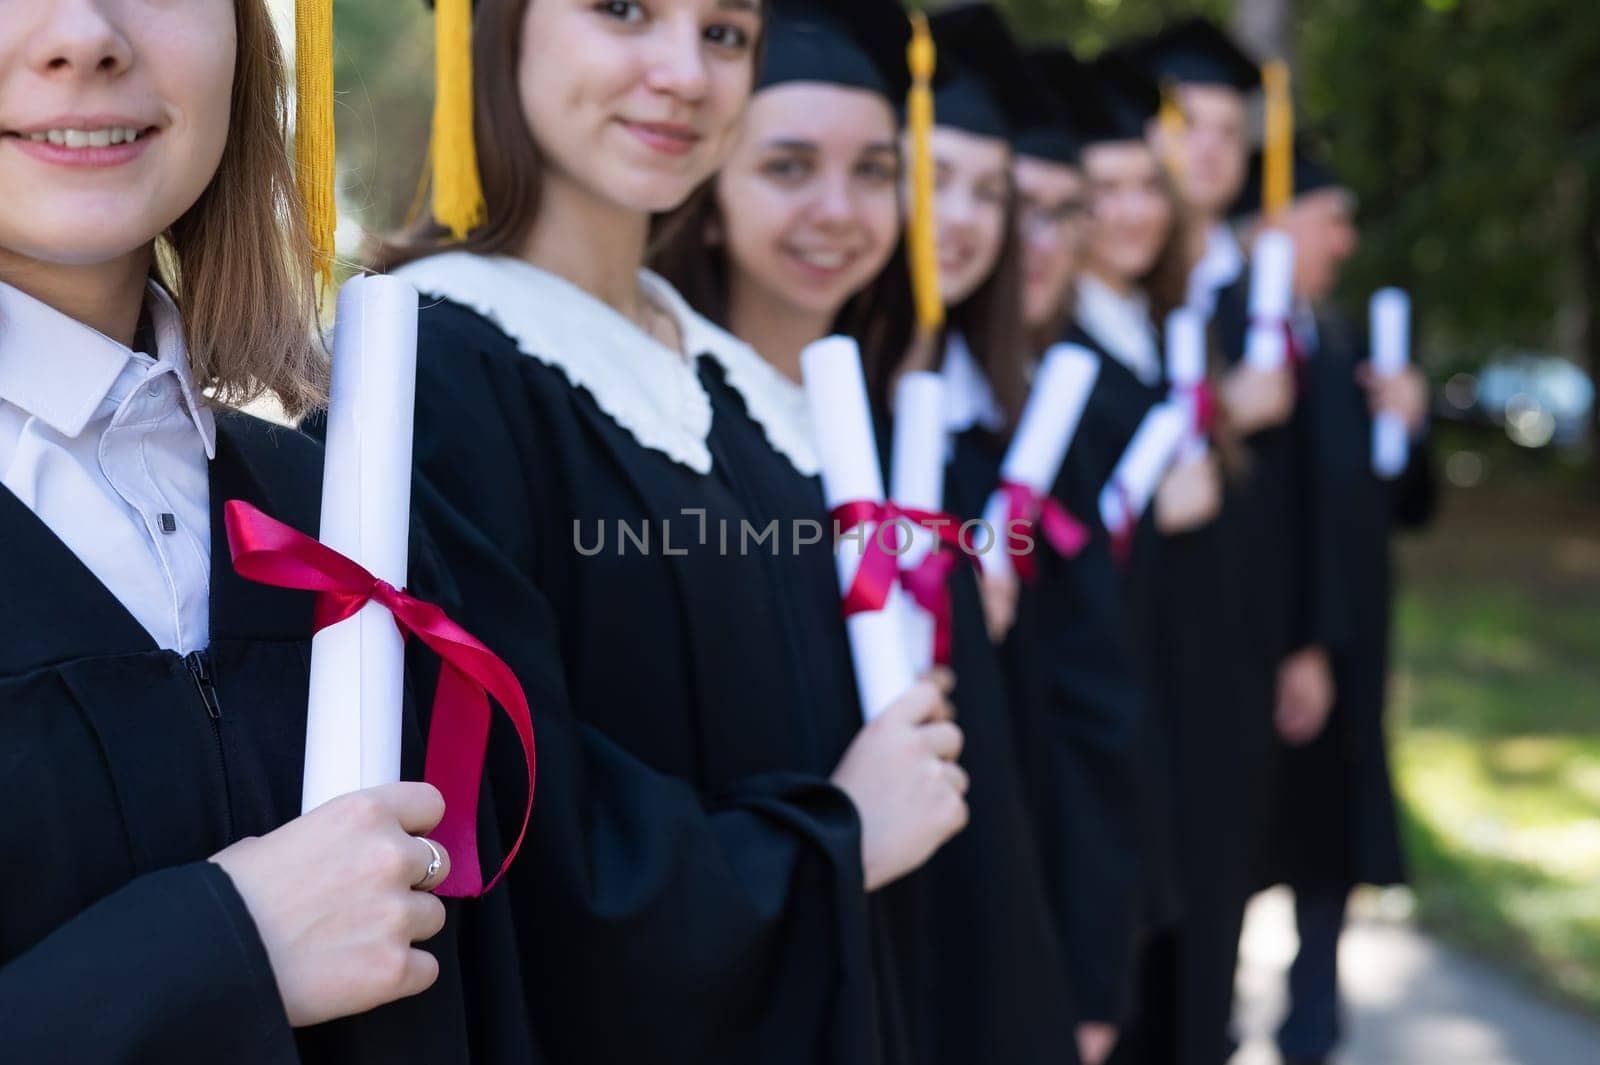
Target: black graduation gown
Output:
[(125, 766), (1188, 629), (699, 891), (1085, 726), (1267, 521), (1336, 823), (988, 983)]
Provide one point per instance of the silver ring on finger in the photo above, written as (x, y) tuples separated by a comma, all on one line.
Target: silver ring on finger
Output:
[(433, 867)]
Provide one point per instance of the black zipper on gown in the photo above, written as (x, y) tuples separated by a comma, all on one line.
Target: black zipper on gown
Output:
[(199, 665)]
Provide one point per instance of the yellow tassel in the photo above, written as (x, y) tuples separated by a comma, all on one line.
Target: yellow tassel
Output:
[(1173, 128), (458, 202), (922, 232), (314, 148), (1277, 173)]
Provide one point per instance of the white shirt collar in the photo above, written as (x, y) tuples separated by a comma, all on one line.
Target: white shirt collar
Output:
[(647, 388), (60, 370), (1220, 266), (968, 398), (1122, 325)]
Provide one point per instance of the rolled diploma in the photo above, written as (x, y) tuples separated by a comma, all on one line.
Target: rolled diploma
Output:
[(1186, 370), (353, 715), (836, 395), (916, 481), (1271, 295), (1391, 353), (1044, 434), (1153, 447)]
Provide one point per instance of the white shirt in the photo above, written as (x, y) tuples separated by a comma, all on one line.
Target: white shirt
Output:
[(109, 447), (1122, 325), (1220, 266), (968, 399)]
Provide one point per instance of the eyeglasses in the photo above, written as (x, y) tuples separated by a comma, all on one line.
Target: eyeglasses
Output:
[(1047, 216)]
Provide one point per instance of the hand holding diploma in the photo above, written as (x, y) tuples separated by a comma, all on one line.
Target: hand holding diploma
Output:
[(1186, 371), (361, 617)]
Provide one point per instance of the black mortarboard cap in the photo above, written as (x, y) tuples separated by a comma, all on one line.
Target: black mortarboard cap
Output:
[(986, 86), (1195, 51), (1312, 173), (860, 44), (1074, 107), (1127, 99)]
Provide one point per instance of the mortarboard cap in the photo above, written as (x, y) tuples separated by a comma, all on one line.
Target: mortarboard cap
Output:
[(988, 90), (1195, 51), (1074, 107), (1312, 173), (1127, 100), (860, 44)]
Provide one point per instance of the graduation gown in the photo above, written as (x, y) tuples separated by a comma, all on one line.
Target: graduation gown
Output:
[(699, 895), (126, 766), (1083, 720), (989, 984), (1336, 823)]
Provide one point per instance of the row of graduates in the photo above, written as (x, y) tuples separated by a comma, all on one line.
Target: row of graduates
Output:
[(1033, 857)]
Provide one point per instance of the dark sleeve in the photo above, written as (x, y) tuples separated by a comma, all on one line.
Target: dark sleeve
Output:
[(167, 969), (654, 922)]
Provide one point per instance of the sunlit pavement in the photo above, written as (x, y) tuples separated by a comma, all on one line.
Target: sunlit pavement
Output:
[(1408, 1000)]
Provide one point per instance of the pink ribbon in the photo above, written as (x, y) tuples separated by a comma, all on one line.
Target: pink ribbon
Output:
[(1038, 509), (267, 551), (927, 583)]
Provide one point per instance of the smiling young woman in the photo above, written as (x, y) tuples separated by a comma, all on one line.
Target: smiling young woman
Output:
[(168, 903), (713, 815)]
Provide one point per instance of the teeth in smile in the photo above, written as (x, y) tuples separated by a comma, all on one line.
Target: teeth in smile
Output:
[(823, 260), (88, 138)]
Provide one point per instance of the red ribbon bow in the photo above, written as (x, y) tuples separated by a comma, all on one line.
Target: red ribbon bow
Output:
[(269, 552), (926, 583), (1061, 530)]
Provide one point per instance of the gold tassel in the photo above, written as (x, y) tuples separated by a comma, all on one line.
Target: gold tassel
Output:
[(314, 147), (458, 202), (1173, 127), (1277, 166), (922, 232)]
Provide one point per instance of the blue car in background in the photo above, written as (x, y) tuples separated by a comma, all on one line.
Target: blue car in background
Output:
[(1541, 400)]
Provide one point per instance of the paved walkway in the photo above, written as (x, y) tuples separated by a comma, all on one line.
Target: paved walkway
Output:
[(1410, 1001)]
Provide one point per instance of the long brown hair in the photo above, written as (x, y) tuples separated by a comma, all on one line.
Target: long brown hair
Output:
[(239, 263), (991, 322)]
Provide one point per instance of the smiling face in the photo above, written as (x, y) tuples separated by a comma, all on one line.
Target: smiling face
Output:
[(113, 119), (636, 101), (972, 188), (809, 200), (1130, 213), (1050, 223)]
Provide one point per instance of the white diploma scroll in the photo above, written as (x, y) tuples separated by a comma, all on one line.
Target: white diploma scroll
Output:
[(1391, 354), (1271, 296), (1044, 434), (1186, 371), (1151, 451), (353, 716), (916, 482), (841, 419)]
